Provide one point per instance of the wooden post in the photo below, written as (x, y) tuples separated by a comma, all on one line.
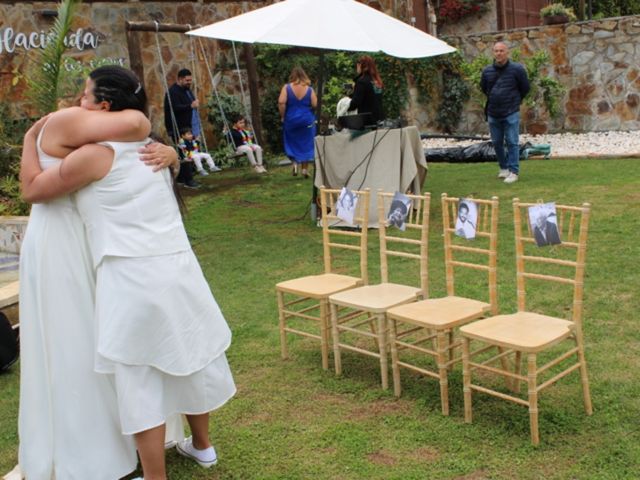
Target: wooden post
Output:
[(252, 73), (580, 9), (135, 54)]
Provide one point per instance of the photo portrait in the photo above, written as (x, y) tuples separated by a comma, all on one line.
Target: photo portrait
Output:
[(544, 224), (398, 211), (346, 205), (467, 219)]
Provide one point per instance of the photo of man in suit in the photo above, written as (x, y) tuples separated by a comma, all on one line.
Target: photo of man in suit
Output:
[(544, 221)]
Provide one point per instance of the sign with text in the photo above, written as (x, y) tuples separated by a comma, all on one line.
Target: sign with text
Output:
[(10, 40)]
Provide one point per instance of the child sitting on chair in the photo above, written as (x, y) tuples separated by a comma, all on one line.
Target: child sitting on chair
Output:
[(190, 148), (244, 142)]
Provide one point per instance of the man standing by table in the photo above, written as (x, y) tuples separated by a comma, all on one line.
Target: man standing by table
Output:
[(505, 83)]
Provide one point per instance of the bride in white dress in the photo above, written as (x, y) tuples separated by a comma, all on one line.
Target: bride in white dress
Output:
[(160, 331), (68, 420)]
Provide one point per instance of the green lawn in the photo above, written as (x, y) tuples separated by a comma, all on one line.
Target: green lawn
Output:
[(292, 420)]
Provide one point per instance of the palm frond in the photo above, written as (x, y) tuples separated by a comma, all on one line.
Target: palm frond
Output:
[(46, 79)]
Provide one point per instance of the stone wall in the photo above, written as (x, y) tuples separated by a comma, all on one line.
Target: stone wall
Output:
[(596, 61), (104, 23)]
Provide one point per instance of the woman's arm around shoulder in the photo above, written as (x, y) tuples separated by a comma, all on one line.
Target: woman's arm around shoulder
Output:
[(80, 126), (81, 167)]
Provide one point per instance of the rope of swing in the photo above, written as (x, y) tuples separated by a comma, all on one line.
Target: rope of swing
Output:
[(225, 122), (247, 116), (194, 69)]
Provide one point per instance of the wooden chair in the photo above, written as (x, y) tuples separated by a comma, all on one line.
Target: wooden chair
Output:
[(305, 299), (530, 333), (370, 303), (436, 320)]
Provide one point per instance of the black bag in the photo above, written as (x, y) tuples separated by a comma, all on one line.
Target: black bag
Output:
[(9, 346)]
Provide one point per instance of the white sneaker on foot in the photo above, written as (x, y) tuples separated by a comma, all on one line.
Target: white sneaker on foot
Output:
[(205, 458), (215, 168), (511, 178), (503, 173), (203, 172)]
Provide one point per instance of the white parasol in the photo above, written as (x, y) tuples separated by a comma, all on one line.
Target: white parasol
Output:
[(327, 24)]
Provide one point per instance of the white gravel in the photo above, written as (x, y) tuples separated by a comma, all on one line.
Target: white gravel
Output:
[(564, 145)]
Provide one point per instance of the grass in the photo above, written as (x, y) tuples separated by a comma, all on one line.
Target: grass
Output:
[(292, 420)]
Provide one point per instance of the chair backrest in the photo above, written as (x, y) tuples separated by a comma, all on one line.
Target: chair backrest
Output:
[(336, 238), (412, 243), (562, 263), (481, 253)]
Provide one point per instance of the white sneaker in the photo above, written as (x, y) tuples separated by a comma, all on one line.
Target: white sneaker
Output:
[(503, 173), (511, 178), (203, 172), (205, 458), (215, 168)]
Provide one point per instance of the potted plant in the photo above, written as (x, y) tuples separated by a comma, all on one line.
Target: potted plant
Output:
[(556, 13)]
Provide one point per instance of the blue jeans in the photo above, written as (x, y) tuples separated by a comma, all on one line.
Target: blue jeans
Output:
[(506, 129)]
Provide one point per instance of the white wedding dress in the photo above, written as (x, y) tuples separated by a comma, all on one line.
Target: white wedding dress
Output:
[(68, 421)]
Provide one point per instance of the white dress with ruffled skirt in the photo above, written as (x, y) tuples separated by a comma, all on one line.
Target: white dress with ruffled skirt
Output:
[(160, 330)]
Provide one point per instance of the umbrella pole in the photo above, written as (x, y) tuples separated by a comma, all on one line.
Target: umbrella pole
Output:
[(314, 191)]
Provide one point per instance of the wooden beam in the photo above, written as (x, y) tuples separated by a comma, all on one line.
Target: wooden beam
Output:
[(159, 27)]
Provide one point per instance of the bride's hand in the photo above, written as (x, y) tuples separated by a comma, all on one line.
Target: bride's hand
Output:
[(159, 156)]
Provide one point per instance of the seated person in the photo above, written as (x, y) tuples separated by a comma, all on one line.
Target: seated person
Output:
[(190, 149), (244, 142)]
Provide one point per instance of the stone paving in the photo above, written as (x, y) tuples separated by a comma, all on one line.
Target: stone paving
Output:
[(568, 145)]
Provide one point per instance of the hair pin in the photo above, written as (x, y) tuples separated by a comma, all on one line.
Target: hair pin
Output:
[(138, 88)]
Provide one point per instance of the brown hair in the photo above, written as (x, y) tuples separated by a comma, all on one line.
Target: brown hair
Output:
[(298, 75), (368, 66)]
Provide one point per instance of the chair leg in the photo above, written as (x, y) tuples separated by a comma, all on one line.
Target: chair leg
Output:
[(532, 375), (586, 392), (381, 321), (451, 352), (284, 352), (395, 357), (505, 366), (337, 360), (324, 333), (466, 380), (374, 330), (517, 368), (442, 370)]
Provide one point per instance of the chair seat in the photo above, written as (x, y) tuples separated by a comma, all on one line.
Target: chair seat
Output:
[(376, 298), (319, 286), (523, 331), (446, 312)]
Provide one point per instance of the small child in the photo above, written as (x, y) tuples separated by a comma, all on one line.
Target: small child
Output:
[(244, 142), (190, 149)]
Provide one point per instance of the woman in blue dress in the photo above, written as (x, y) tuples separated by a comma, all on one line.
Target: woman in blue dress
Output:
[(296, 104)]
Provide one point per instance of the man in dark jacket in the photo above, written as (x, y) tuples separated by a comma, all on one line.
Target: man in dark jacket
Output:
[(179, 107), (505, 83)]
